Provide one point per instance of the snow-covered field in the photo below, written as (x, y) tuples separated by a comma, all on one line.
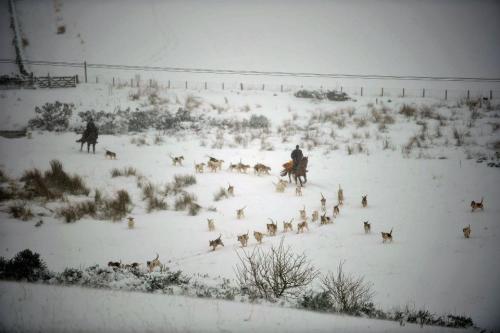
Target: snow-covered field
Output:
[(423, 197)]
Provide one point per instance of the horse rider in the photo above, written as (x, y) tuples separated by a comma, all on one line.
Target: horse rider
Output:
[(90, 135), (296, 157)]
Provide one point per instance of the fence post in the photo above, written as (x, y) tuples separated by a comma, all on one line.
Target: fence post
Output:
[(137, 84), (241, 85), (446, 95), (491, 94), (468, 94), (149, 83), (205, 86), (48, 77), (222, 85), (423, 92), (76, 79), (168, 84), (403, 92), (361, 91), (96, 80), (85, 70), (113, 81), (341, 88), (131, 83), (186, 84), (281, 88), (382, 92), (263, 86)]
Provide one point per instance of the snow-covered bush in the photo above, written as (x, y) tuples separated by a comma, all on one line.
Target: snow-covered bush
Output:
[(331, 95), (337, 96), (348, 294), (52, 117), (258, 122), (320, 301)]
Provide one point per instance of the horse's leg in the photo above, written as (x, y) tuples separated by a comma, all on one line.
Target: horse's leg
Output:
[(88, 147), (289, 176), (305, 177), (93, 148), (81, 147)]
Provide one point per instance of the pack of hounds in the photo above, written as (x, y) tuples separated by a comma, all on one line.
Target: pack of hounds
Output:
[(272, 228)]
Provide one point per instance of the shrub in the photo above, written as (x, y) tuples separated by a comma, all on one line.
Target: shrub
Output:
[(184, 201), (20, 211), (337, 96), (258, 122), (274, 273), (61, 181), (75, 212), (194, 209), (35, 185), (184, 180), (52, 116), (70, 276), (154, 202), (118, 207), (309, 94), (165, 279), (61, 29), (25, 265), (191, 103), (347, 293), (221, 194), (141, 120), (408, 111), (3, 177), (316, 301), (126, 172)]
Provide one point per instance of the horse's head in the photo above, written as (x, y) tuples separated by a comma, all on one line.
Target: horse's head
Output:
[(303, 162)]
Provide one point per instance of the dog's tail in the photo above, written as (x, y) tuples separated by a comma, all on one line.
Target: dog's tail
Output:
[(220, 235), (243, 207), (248, 231), (157, 256), (322, 197), (390, 233), (481, 200)]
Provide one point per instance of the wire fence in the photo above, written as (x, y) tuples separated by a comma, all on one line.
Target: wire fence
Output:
[(105, 73)]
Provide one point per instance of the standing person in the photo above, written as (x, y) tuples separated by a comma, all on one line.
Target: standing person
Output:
[(296, 157), (89, 136)]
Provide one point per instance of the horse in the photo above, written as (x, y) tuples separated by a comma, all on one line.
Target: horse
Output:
[(89, 141), (301, 171)]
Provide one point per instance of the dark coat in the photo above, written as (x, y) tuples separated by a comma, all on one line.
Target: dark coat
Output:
[(90, 134), (297, 155)]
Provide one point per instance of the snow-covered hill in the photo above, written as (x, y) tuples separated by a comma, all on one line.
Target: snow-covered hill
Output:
[(424, 199)]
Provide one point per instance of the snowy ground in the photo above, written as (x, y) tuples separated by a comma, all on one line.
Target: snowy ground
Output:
[(423, 198), (28, 307)]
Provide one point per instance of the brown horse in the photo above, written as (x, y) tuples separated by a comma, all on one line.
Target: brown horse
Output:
[(301, 171)]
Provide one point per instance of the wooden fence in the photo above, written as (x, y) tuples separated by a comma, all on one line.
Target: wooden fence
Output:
[(56, 81)]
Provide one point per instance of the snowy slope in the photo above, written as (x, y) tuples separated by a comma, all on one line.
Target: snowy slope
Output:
[(28, 307)]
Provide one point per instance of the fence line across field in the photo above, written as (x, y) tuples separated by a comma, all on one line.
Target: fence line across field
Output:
[(52, 81), (356, 91)]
